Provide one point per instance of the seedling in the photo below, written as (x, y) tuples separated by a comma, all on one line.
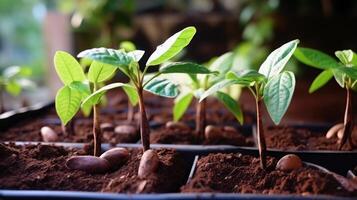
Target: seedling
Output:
[(13, 80), (270, 84), (139, 80), (345, 73), (198, 84), (78, 86)]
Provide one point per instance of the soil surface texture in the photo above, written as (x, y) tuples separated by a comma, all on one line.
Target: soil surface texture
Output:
[(237, 173), (42, 167)]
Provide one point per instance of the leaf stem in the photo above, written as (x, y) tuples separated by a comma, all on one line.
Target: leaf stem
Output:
[(156, 75), (201, 118)]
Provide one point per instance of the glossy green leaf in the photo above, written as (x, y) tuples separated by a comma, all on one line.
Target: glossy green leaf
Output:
[(96, 96), (68, 68), (127, 46), (184, 67), (82, 87), (171, 46), (277, 60), (339, 77), (349, 71), (86, 109), (231, 104), (162, 87), (132, 95), (106, 55), (182, 103), (223, 63), (345, 56), (99, 72), (216, 87), (246, 77), (278, 93), (67, 103), (136, 55), (315, 58), (321, 80)]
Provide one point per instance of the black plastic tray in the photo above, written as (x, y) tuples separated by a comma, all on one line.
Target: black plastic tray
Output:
[(189, 154)]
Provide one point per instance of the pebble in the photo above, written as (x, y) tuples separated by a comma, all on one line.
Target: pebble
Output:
[(89, 164), (116, 157), (289, 162), (106, 127), (48, 135), (125, 129), (176, 125), (148, 164)]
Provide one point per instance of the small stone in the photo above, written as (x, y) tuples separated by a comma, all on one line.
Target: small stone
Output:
[(333, 130), (125, 129), (106, 127), (289, 162), (176, 125), (48, 135), (89, 164), (148, 164), (116, 157)]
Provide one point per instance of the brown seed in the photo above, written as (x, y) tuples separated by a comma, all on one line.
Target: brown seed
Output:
[(289, 162), (333, 130), (89, 164), (212, 133), (125, 129), (116, 157), (48, 135), (148, 164), (176, 125), (230, 129), (106, 127)]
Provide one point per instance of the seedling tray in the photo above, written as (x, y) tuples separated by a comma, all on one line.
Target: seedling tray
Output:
[(189, 155)]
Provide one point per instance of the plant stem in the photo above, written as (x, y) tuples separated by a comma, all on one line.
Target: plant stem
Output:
[(130, 115), (201, 118), (68, 129), (97, 134), (260, 134), (2, 107), (144, 123), (348, 119)]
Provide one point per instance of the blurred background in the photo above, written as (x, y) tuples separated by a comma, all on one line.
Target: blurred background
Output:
[(32, 30)]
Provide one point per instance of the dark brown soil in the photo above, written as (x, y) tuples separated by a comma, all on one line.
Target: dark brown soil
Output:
[(238, 173), (185, 136), (289, 138), (42, 167)]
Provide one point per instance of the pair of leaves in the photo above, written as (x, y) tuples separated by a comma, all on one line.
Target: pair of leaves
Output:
[(331, 67)]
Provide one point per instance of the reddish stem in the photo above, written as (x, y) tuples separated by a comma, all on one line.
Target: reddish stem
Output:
[(201, 118), (144, 123), (348, 120), (260, 135), (130, 113), (97, 133)]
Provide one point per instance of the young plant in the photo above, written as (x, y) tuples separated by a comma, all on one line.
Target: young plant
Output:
[(139, 80), (345, 73), (198, 84), (78, 86), (13, 80), (270, 84)]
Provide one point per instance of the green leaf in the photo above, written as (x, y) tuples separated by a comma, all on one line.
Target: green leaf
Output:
[(246, 77), (162, 87), (278, 93), (321, 80), (67, 103), (127, 46), (354, 60), (68, 68), (339, 77), (132, 95), (106, 55), (216, 87), (182, 102), (184, 67), (277, 60), (13, 88), (231, 105), (349, 71), (345, 56), (223, 63), (99, 72), (315, 58), (82, 87), (86, 109), (171, 46), (136, 55), (95, 97), (17, 71)]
